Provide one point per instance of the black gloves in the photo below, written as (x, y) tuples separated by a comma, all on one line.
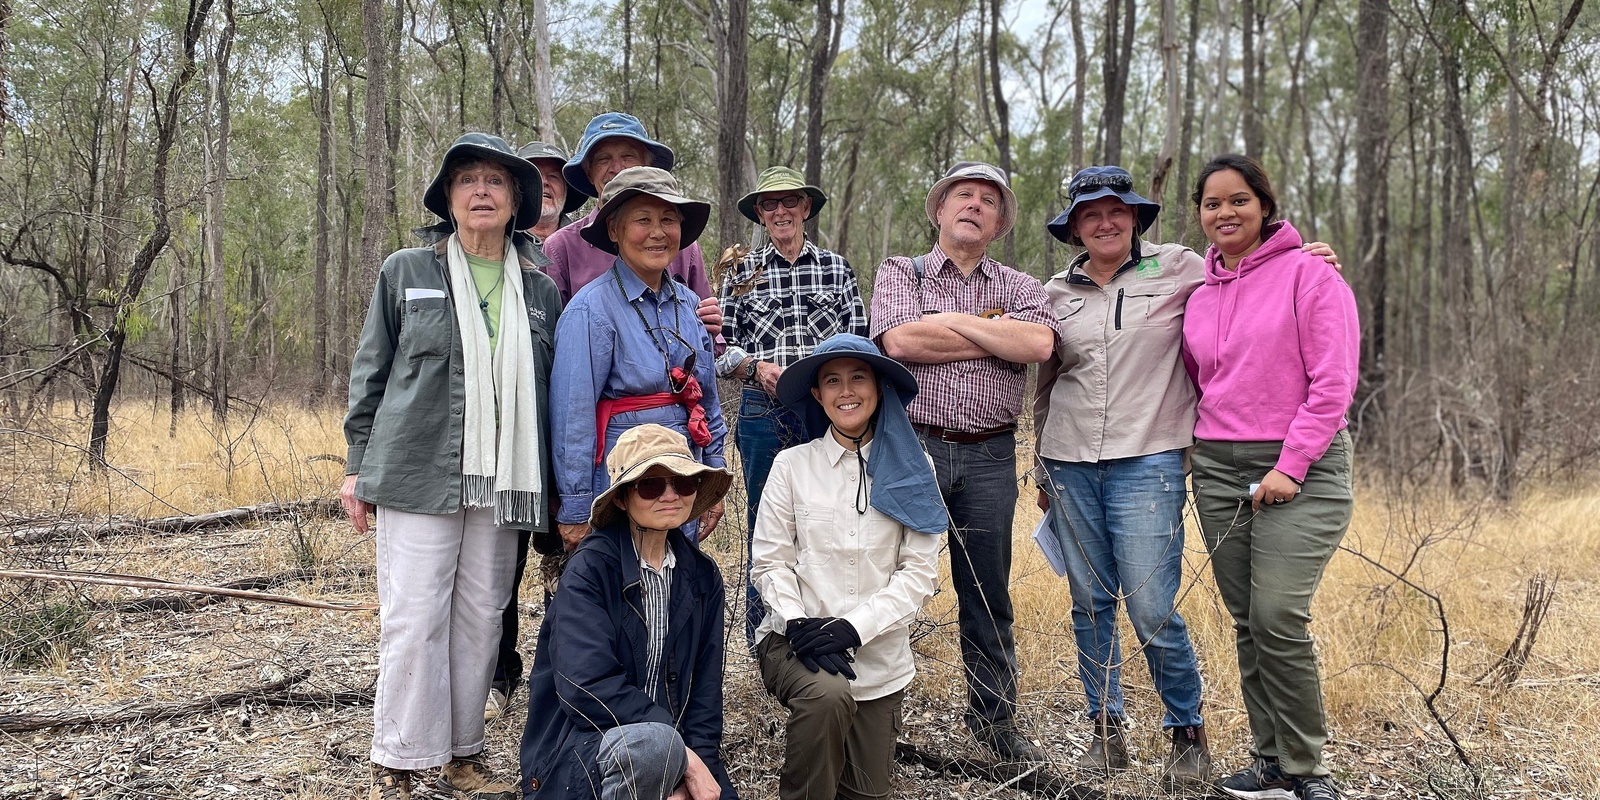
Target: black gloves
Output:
[(823, 643)]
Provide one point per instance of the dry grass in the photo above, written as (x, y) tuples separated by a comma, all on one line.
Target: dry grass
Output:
[(1376, 636)]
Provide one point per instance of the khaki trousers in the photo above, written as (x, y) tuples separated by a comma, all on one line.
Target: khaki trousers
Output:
[(836, 746), (1268, 565)]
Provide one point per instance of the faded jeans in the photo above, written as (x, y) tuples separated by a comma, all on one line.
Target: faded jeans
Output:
[(642, 761), (1120, 523), (765, 427)]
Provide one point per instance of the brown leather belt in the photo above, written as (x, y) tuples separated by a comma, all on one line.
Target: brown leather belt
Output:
[(963, 437)]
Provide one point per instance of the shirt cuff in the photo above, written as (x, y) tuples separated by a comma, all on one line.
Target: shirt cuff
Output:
[(730, 360), (353, 457), (574, 508), (1294, 463)]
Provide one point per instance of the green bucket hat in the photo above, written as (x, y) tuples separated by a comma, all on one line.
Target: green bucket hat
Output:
[(780, 179), (657, 183), (487, 147), (544, 151)]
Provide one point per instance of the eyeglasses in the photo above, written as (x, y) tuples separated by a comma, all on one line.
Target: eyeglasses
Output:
[(771, 203), (652, 488)]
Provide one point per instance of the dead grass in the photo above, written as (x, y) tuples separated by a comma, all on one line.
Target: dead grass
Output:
[(1376, 636)]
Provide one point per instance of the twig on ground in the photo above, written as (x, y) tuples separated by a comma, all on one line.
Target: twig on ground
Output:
[(1033, 778), (140, 582), (174, 602), (23, 723), (320, 507)]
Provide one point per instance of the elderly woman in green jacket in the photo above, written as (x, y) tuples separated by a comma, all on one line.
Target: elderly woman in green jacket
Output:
[(448, 434)]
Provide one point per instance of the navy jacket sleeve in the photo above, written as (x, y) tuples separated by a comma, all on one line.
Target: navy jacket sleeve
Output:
[(590, 680), (702, 716)]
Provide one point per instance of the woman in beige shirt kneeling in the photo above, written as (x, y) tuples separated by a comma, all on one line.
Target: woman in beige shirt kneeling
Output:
[(845, 553)]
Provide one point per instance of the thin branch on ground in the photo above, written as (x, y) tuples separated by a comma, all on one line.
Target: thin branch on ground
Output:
[(140, 582)]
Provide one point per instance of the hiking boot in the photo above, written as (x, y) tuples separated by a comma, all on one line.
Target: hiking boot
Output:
[(1108, 747), (1189, 763), (1262, 780), (468, 778), (1320, 787), (389, 784), (1010, 745)]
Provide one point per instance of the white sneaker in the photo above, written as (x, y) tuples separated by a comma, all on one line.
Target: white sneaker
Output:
[(495, 705)]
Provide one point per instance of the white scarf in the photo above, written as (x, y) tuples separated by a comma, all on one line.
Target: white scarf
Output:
[(499, 462)]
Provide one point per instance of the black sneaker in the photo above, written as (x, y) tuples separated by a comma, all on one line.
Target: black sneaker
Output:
[(1262, 780), (1320, 787)]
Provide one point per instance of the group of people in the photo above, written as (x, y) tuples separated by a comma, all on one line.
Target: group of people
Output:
[(525, 381)]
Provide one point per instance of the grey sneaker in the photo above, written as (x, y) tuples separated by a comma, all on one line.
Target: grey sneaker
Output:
[(1262, 780), (1320, 787)]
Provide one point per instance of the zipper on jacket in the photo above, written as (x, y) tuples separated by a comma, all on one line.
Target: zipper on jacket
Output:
[(1119, 310)]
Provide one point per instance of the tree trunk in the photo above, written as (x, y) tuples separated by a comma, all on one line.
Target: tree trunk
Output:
[(375, 155), (824, 47), (733, 113), (627, 56), (541, 73), (217, 326), (1114, 72), (1080, 86), (1002, 112), (1186, 142), (1372, 191), (5, 72), (324, 227), (1169, 142), (1250, 92)]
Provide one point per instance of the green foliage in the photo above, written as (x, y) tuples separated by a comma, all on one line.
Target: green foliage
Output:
[(32, 634)]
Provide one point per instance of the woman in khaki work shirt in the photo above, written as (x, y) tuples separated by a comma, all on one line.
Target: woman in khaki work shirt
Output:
[(1114, 410)]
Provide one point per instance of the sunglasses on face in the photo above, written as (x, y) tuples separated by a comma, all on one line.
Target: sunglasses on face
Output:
[(771, 203), (652, 488)]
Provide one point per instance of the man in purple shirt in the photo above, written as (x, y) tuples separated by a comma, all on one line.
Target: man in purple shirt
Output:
[(966, 326), (611, 143)]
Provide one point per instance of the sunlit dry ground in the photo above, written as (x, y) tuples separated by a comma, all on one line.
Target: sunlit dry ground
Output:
[(1380, 639)]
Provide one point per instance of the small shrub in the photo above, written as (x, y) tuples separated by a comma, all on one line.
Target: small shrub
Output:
[(30, 636)]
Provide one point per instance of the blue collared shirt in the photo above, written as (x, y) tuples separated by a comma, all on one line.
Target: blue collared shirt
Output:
[(603, 350)]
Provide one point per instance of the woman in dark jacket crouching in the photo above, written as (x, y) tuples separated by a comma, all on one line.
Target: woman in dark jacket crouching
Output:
[(625, 699)]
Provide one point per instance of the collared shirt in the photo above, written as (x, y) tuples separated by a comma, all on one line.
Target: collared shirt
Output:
[(975, 394), (814, 555), (1115, 386), (574, 262), (655, 592), (776, 311), (603, 350)]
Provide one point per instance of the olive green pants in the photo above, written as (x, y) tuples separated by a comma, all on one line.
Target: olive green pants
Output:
[(1267, 565), (836, 746)]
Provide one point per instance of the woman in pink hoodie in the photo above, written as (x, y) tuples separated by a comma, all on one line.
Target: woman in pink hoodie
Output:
[(1271, 340)]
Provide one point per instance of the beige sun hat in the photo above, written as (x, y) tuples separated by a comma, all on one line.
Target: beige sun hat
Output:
[(637, 450), (974, 171), (657, 183)]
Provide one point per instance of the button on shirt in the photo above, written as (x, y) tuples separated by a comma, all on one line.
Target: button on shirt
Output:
[(603, 350), (655, 591), (975, 394), (813, 555), (777, 312), (1116, 386), (574, 262)]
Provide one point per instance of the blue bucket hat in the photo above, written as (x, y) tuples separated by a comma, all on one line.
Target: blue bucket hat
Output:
[(904, 487), (1093, 183), (486, 147), (606, 126)]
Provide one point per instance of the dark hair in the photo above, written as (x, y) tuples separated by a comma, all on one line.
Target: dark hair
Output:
[(1255, 176), (464, 163)]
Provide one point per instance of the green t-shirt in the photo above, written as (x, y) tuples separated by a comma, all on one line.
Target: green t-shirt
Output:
[(488, 277)]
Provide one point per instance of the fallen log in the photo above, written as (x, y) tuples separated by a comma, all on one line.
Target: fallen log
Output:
[(141, 582), (321, 507), (181, 603), (148, 712)]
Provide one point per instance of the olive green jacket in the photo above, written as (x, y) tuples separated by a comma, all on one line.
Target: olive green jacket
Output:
[(407, 392)]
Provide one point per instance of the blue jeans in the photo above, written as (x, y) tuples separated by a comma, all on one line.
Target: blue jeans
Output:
[(1120, 523), (979, 485), (642, 761), (765, 427)]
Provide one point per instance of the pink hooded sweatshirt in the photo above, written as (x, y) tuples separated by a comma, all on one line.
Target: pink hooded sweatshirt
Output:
[(1274, 349)]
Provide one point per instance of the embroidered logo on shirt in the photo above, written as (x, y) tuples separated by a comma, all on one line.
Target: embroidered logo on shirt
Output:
[(1148, 266)]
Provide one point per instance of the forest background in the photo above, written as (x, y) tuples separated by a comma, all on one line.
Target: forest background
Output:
[(195, 197)]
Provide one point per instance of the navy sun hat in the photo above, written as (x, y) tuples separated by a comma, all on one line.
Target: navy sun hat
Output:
[(606, 126), (488, 148), (794, 385), (1093, 183), (544, 151)]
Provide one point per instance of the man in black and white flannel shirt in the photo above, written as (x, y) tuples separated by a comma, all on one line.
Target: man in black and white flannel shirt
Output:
[(777, 304)]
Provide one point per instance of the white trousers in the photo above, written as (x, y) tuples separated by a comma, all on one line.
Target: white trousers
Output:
[(443, 582)]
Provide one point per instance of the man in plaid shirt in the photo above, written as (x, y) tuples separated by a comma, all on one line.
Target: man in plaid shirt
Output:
[(778, 304), (967, 326)]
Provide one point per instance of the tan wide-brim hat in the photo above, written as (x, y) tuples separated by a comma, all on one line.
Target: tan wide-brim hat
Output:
[(636, 451), (658, 183), (975, 171), (781, 179)]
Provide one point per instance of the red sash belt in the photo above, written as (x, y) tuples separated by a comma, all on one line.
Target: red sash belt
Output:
[(689, 398)]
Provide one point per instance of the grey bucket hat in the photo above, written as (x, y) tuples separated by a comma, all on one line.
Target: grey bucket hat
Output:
[(487, 147), (544, 151), (975, 171), (658, 183)]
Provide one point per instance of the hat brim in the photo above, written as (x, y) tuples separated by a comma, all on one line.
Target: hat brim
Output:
[(1061, 226), (794, 385), (747, 204), (692, 218), (661, 157), (714, 484), (529, 182), (1008, 201)]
